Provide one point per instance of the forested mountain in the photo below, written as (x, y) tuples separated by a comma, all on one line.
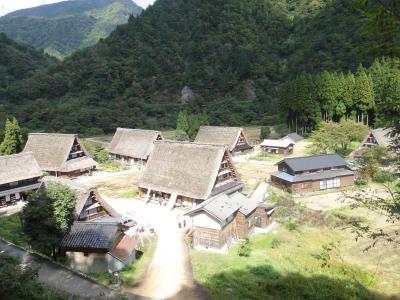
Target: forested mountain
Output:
[(223, 58), (64, 27)]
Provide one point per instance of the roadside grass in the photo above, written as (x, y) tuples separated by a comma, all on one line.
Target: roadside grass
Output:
[(131, 274), (11, 230)]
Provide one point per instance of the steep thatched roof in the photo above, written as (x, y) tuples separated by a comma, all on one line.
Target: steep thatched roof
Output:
[(219, 135), (82, 193), (18, 167), (382, 136), (183, 168), (294, 137), (136, 143), (51, 151)]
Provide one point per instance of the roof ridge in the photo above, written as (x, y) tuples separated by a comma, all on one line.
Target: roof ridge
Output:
[(16, 155), (138, 129), (53, 133), (189, 143), (316, 155)]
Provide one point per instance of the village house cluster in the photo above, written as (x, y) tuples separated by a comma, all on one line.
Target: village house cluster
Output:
[(199, 177)]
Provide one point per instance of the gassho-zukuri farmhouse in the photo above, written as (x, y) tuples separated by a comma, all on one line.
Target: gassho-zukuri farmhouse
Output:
[(186, 174)]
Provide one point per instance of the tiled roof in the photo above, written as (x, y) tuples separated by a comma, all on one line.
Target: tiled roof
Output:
[(90, 235), (314, 162), (313, 176)]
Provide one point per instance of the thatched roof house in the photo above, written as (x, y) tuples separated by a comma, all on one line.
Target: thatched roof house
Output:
[(377, 137), (18, 167), (59, 154), (232, 137), (89, 203), (19, 173), (189, 172), (132, 145)]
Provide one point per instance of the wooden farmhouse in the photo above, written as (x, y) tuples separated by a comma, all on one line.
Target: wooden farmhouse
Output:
[(312, 173), (232, 137), (186, 174), (96, 241), (98, 247), (284, 147), (377, 137), (19, 174), (133, 146), (219, 220), (60, 154)]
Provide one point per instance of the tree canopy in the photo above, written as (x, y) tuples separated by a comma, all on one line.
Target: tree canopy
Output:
[(48, 215)]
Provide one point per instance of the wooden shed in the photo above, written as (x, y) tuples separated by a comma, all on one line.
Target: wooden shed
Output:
[(222, 219)]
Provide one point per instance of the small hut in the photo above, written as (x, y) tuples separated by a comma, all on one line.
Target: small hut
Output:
[(97, 247), (232, 137), (19, 174), (60, 154), (133, 146), (221, 219), (283, 146), (183, 173)]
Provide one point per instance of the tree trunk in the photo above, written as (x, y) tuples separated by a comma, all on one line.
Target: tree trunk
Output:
[(53, 252), (367, 119)]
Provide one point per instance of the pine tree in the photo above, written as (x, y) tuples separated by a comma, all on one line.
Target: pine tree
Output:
[(182, 123), (12, 142), (364, 93)]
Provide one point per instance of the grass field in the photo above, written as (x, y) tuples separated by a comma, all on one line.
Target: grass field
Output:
[(11, 230), (118, 187), (310, 256)]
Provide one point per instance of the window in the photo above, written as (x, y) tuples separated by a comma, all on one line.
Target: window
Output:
[(85, 253), (329, 184)]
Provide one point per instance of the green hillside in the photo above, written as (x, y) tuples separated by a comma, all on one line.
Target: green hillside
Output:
[(65, 27), (230, 55)]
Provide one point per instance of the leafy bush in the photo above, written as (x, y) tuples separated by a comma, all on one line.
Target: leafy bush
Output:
[(112, 166), (291, 225), (244, 248), (101, 155), (383, 176), (275, 243)]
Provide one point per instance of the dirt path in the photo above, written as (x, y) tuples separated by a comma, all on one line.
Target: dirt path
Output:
[(169, 275)]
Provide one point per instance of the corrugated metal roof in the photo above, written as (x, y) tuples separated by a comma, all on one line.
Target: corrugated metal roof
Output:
[(315, 162)]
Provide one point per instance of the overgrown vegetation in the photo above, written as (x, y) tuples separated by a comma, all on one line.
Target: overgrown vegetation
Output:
[(19, 281), (11, 230)]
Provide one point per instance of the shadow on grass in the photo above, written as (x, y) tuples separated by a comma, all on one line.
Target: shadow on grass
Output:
[(263, 282)]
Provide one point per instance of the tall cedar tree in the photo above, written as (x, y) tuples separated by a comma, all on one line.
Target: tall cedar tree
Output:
[(364, 94), (48, 215), (12, 142)]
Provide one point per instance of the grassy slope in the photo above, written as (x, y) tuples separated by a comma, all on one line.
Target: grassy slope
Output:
[(290, 271)]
